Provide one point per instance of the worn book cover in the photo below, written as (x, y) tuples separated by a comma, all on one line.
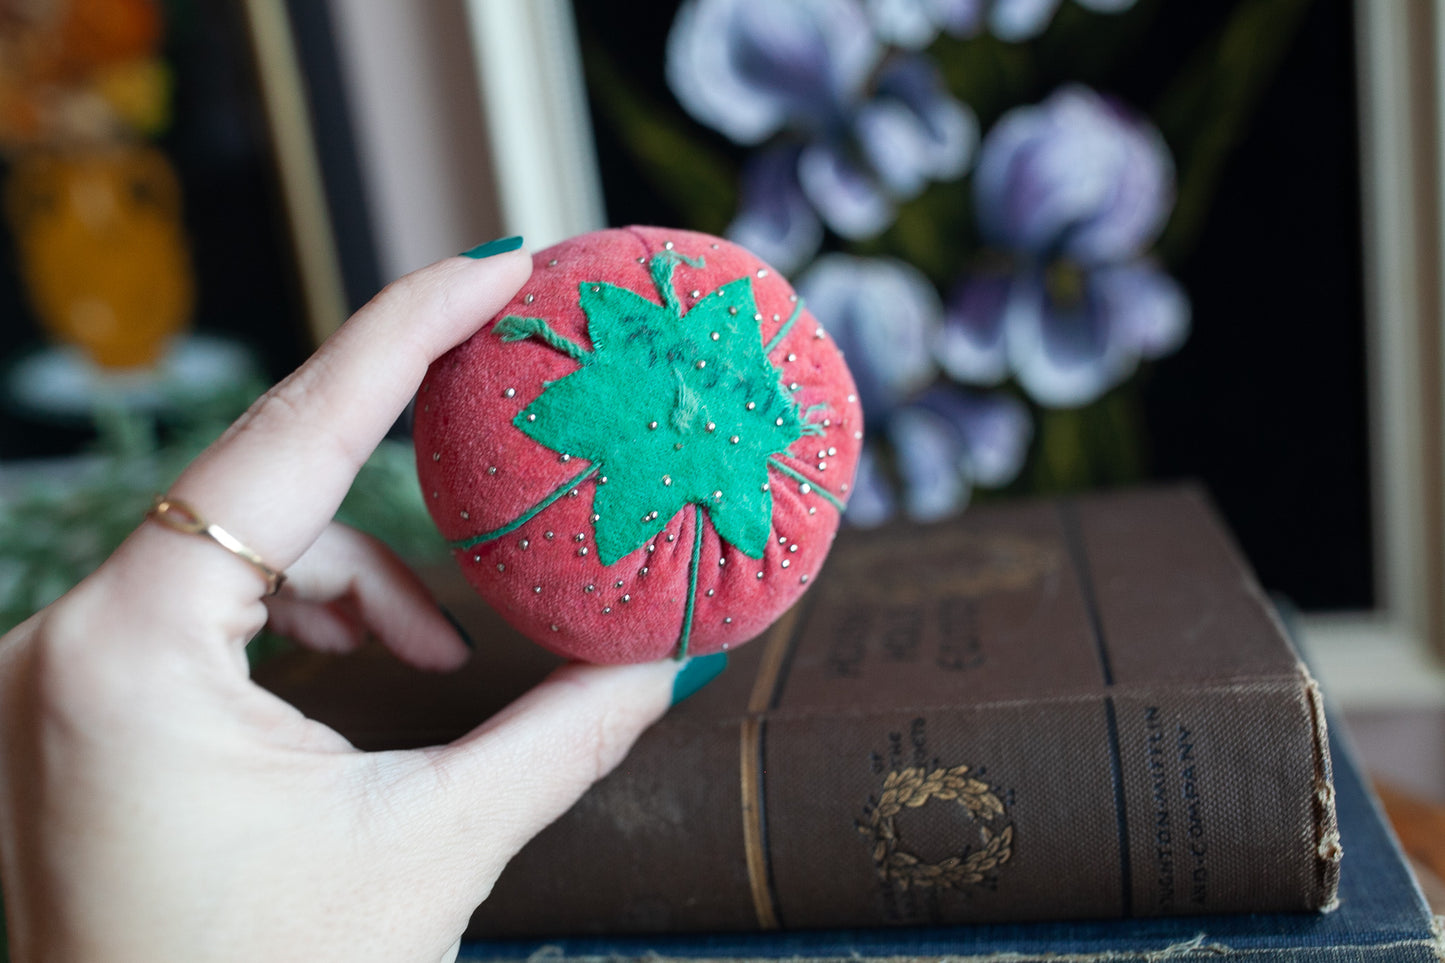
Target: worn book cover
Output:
[(1046, 709), (1381, 917)]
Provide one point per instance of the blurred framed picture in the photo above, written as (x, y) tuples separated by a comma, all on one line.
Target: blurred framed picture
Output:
[(183, 216), (1252, 189)]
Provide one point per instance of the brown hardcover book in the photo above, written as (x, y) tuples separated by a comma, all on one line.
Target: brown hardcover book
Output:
[(1046, 709)]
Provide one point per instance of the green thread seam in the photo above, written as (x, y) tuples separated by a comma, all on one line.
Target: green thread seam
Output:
[(662, 267), (787, 326), (526, 516), (516, 328), (691, 586), (811, 427), (799, 476)]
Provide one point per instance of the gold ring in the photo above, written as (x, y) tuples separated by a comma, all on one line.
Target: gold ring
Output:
[(176, 514)]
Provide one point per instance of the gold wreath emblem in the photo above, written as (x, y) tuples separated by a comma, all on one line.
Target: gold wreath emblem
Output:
[(911, 788)]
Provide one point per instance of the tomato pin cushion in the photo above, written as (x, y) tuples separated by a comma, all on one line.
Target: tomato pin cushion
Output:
[(648, 451)]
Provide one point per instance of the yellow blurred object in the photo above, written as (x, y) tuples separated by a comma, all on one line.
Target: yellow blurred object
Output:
[(139, 91), (103, 253)]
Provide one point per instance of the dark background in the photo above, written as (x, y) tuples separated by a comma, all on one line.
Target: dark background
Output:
[(1265, 404)]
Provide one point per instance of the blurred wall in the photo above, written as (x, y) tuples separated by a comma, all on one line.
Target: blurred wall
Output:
[(419, 127)]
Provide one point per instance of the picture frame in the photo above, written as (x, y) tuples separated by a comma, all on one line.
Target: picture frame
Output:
[(1391, 654), (276, 236)]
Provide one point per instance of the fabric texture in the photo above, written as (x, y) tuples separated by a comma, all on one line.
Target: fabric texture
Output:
[(647, 454)]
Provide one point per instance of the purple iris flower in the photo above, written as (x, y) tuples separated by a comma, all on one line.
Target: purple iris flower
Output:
[(856, 134), (1071, 193), (885, 317), (914, 24), (873, 501), (775, 221), (1018, 20), (946, 443), (952, 439), (750, 68)]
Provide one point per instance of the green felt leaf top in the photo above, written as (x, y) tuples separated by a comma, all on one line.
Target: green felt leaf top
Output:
[(672, 409)]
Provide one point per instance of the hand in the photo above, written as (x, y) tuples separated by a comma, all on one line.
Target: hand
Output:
[(155, 804)]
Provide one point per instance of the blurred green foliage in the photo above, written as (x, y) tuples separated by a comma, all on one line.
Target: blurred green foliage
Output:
[(60, 522)]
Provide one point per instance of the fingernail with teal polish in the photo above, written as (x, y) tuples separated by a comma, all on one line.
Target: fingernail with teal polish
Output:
[(466, 639), (697, 673), (500, 246)]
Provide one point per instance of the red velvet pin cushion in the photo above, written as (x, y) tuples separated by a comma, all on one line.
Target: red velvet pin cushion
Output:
[(646, 453)]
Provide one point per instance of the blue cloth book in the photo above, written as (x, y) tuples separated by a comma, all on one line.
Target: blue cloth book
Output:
[(1381, 916)]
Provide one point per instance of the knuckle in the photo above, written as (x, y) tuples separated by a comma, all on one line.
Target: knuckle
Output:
[(417, 291), (280, 406), (298, 401)]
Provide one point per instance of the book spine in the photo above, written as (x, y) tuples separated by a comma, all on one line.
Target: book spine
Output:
[(1130, 801)]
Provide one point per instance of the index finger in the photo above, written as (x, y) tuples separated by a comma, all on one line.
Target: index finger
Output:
[(276, 477)]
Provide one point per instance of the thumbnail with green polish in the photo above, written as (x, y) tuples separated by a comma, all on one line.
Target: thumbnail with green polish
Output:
[(697, 673), (500, 246)]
